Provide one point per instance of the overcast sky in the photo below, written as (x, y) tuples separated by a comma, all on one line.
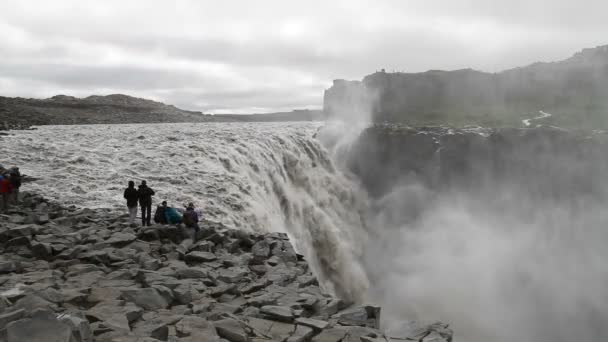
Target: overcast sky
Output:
[(258, 56)]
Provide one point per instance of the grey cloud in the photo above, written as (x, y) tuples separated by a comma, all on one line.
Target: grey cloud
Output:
[(55, 45)]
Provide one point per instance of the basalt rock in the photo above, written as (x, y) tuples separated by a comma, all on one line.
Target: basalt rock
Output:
[(86, 276)]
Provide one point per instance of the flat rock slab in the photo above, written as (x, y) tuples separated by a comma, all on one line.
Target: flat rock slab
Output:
[(232, 330), (278, 313)]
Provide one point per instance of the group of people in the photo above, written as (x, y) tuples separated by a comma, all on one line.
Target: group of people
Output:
[(10, 182), (163, 214)]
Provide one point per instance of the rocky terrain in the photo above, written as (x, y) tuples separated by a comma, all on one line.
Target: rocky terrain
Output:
[(76, 275), (574, 90), (21, 113)]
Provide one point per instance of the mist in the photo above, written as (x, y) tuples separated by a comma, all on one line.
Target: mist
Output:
[(500, 233)]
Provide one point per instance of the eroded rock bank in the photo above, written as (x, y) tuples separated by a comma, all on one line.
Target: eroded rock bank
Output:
[(76, 275)]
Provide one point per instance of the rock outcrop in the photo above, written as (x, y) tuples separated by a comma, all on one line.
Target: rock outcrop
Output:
[(574, 90), (82, 275)]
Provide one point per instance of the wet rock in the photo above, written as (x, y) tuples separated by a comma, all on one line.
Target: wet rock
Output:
[(260, 251)]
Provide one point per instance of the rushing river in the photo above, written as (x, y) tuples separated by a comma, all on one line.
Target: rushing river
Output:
[(497, 273)]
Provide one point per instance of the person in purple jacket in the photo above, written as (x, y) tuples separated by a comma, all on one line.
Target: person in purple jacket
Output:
[(190, 218)]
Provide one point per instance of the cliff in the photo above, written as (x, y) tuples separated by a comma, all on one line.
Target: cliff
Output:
[(574, 90)]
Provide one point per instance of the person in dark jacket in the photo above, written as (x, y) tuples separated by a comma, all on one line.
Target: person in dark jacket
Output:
[(145, 201), (132, 196), (15, 179), (159, 215)]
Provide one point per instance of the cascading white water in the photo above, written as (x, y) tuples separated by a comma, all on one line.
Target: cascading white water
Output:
[(261, 177)]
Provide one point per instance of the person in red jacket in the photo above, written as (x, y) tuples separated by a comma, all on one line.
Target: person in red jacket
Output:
[(5, 191)]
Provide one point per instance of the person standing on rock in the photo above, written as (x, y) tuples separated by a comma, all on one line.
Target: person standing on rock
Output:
[(145, 201), (5, 191), (190, 218), (132, 196), (15, 178)]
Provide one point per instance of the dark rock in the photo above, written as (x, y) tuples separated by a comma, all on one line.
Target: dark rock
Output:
[(260, 251), (41, 250)]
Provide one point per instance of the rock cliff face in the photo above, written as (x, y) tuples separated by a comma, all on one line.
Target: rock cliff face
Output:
[(575, 90), (541, 161)]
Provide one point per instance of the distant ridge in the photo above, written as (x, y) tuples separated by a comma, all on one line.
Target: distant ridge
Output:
[(574, 90), (19, 113)]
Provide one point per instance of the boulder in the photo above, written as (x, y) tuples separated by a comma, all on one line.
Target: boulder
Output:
[(192, 328), (38, 329), (232, 330), (111, 315), (364, 316), (147, 298), (302, 334), (195, 257), (260, 250), (266, 329)]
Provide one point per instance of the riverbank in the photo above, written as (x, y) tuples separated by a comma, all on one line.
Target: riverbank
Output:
[(86, 275)]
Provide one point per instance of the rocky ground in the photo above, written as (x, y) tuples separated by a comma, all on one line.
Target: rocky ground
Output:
[(76, 275)]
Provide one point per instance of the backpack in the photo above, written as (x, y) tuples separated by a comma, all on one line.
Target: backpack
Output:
[(189, 218)]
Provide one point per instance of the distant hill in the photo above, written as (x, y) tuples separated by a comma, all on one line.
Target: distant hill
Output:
[(18, 112), (575, 91)]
